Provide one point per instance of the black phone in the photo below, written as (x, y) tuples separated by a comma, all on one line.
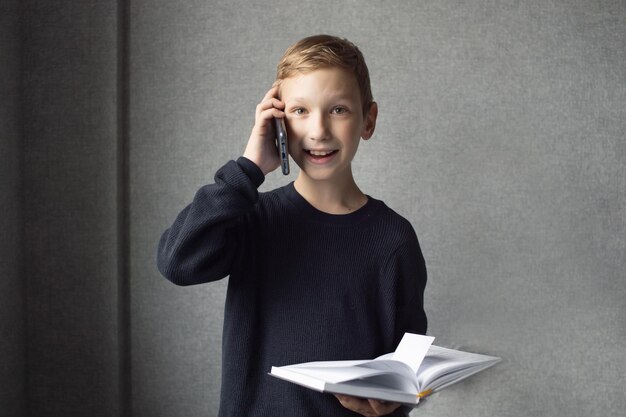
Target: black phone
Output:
[(281, 144)]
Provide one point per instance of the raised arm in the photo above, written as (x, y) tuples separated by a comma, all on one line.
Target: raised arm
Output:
[(201, 244), (203, 240)]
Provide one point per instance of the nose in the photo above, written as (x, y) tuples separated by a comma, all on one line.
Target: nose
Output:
[(318, 127)]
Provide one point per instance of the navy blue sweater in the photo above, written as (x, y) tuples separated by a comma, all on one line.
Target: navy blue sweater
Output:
[(303, 285)]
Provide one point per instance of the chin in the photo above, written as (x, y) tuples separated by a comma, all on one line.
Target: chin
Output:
[(323, 174)]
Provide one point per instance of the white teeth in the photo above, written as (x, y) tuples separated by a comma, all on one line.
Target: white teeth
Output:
[(320, 153)]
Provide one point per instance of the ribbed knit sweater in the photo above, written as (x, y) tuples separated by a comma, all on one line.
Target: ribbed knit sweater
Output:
[(303, 285)]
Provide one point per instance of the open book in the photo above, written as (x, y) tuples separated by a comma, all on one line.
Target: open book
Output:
[(415, 370)]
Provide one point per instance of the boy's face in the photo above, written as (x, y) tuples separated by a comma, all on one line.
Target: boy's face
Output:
[(325, 121)]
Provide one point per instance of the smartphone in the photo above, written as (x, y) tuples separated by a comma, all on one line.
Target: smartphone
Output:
[(281, 144)]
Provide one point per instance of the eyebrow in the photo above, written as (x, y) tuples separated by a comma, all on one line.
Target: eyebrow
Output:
[(331, 98)]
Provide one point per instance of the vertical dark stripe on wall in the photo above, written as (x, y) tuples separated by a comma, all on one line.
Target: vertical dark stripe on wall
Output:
[(123, 204), (22, 205)]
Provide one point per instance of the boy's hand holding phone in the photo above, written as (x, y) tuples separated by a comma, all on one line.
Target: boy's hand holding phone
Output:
[(261, 147)]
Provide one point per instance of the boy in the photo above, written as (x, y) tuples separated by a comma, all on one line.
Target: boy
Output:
[(317, 269)]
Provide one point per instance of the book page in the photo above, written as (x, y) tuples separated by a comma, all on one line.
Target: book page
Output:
[(412, 350), (415, 369), (334, 374), (394, 374), (443, 366)]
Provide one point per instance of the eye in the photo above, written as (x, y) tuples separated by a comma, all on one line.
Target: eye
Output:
[(339, 110), (298, 111)]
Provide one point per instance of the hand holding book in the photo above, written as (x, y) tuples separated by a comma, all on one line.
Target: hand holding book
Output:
[(367, 407), (416, 369)]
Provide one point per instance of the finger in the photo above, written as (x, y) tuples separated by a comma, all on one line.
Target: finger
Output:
[(383, 407), (272, 95), (271, 103), (272, 92), (343, 399), (357, 405), (271, 113)]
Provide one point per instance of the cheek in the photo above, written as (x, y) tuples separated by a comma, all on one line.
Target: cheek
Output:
[(349, 130), (294, 129)]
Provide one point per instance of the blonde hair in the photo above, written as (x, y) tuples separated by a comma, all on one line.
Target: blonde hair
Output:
[(325, 51)]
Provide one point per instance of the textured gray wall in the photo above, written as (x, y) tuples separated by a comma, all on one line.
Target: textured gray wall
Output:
[(500, 137), (12, 371), (70, 207)]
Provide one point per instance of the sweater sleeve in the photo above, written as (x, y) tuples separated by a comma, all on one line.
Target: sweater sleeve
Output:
[(406, 269), (202, 242)]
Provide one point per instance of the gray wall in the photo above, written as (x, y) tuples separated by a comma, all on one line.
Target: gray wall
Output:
[(12, 372), (70, 206), (500, 137), (68, 188)]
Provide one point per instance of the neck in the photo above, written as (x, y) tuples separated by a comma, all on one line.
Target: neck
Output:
[(331, 196)]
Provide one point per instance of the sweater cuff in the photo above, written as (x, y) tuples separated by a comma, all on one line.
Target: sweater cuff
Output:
[(251, 170)]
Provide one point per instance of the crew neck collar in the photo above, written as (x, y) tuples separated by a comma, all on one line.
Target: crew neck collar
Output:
[(311, 213)]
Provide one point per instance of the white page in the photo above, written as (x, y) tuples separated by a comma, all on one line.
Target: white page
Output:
[(337, 374), (412, 349)]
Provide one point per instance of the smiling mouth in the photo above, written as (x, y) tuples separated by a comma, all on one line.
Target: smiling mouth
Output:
[(320, 154)]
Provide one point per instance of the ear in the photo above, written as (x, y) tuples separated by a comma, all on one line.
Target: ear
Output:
[(370, 121)]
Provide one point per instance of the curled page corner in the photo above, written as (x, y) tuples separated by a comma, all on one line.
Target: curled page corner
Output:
[(412, 349)]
